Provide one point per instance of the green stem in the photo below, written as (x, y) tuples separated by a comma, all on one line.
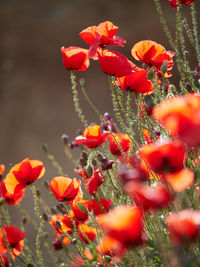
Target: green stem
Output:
[(36, 207)]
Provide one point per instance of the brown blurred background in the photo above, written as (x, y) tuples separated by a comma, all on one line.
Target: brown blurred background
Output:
[(36, 104)]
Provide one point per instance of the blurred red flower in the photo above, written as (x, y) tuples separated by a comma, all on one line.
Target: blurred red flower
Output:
[(10, 199), (23, 174), (101, 206), (65, 189), (92, 137), (114, 63), (4, 259), (80, 214), (101, 35), (136, 82), (123, 223), (174, 3), (15, 239), (180, 115), (86, 232), (94, 182), (75, 58), (184, 226), (164, 156)]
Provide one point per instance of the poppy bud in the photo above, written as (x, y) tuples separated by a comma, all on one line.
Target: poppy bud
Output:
[(89, 170), (100, 157), (94, 163), (57, 244), (82, 207), (65, 139), (58, 224), (45, 235), (73, 145), (82, 162), (186, 54), (30, 265), (24, 220), (188, 87), (53, 211), (82, 81), (150, 74), (45, 217), (45, 148), (84, 155), (61, 208), (164, 67), (107, 116)]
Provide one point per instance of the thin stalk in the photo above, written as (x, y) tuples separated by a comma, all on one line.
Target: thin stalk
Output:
[(53, 160), (36, 207)]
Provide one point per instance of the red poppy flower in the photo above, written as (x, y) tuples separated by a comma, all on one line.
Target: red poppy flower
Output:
[(80, 214), (114, 63), (184, 226), (116, 140), (66, 223), (155, 198), (10, 199), (111, 247), (4, 259), (101, 35), (94, 182), (128, 231), (180, 115), (86, 232), (65, 189), (136, 82), (75, 58), (92, 137), (153, 54), (180, 180), (101, 207), (15, 238), (174, 3), (164, 156), (2, 169), (23, 174)]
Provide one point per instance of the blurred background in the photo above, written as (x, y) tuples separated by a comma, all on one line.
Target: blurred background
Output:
[(36, 105)]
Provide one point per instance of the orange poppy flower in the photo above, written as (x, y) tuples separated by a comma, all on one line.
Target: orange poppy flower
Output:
[(153, 54), (128, 231), (75, 58), (174, 3), (92, 137), (136, 82), (116, 140), (101, 206), (4, 259), (163, 157), (114, 63), (111, 247), (79, 214), (15, 238), (180, 115), (2, 169), (101, 35), (184, 226), (180, 180), (146, 197), (94, 182), (65, 189), (23, 174), (86, 232), (10, 199)]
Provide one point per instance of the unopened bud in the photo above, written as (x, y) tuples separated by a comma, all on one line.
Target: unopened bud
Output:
[(53, 211), (82, 81), (94, 162), (45, 148), (164, 67), (100, 157), (45, 217), (82, 207), (61, 208), (89, 170), (45, 235), (84, 155), (150, 74), (186, 54), (188, 87), (58, 224), (65, 138), (24, 220), (82, 162)]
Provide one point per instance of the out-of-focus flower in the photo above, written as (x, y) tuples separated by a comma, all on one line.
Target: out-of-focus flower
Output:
[(2, 169), (114, 63), (92, 137), (23, 174), (153, 54), (180, 115), (57, 244), (65, 222), (86, 232), (180, 180), (117, 141), (101, 35), (184, 226), (15, 239), (94, 182), (4, 259), (168, 156), (136, 82), (174, 3), (65, 189), (10, 199), (75, 58), (101, 206), (155, 198), (129, 230)]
